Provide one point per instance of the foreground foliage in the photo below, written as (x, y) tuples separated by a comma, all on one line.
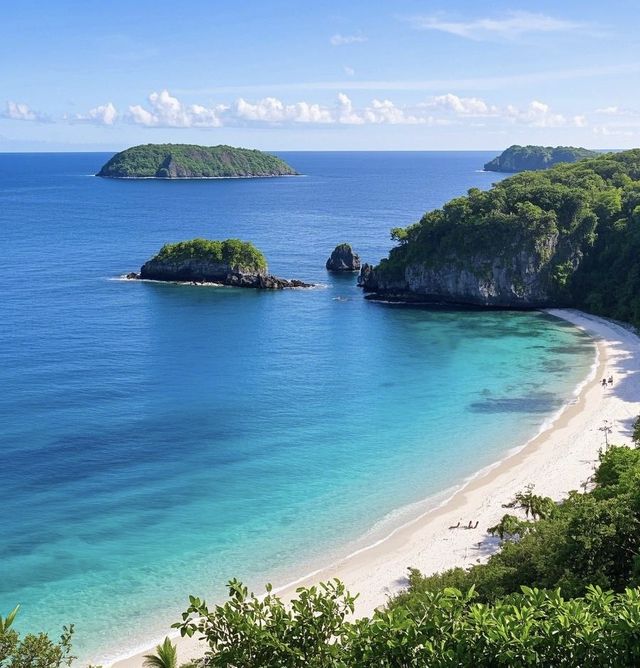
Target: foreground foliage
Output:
[(32, 650)]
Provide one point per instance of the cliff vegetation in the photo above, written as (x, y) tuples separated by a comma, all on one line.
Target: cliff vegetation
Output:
[(238, 255), (176, 161), (567, 236)]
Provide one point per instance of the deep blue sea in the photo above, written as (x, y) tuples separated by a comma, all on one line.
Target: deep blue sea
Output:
[(157, 440)]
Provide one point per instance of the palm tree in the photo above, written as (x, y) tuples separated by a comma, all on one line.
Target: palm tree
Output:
[(166, 656)]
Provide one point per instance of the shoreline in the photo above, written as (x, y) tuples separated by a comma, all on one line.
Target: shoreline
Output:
[(192, 178), (561, 457)]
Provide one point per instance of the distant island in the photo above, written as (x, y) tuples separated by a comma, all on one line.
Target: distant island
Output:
[(523, 158), (566, 236), (231, 262), (189, 161)]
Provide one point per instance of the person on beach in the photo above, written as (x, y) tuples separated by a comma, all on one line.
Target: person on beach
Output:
[(604, 382), (610, 380), (457, 526)]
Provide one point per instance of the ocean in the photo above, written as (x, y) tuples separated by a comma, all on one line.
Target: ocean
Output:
[(158, 440)]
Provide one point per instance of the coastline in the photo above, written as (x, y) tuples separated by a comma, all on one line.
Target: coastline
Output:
[(192, 178), (561, 457)]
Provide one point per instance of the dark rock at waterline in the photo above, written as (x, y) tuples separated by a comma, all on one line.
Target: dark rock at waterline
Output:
[(343, 259), (203, 271)]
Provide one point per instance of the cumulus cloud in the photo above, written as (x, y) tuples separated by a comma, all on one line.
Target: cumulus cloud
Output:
[(167, 111), (349, 71), (273, 110), (510, 26), (608, 131), (104, 114), (616, 111), (538, 114), (341, 40), (472, 106), (19, 111)]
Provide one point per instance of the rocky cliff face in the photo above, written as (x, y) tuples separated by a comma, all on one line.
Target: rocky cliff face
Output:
[(343, 259), (522, 279), (194, 270)]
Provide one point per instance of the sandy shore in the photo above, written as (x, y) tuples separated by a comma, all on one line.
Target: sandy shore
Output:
[(560, 459)]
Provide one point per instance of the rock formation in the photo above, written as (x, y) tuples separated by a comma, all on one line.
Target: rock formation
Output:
[(231, 262), (343, 259)]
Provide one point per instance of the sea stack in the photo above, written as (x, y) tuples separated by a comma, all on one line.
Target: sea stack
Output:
[(343, 259)]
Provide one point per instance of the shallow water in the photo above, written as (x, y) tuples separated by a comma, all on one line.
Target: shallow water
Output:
[(158, 440)]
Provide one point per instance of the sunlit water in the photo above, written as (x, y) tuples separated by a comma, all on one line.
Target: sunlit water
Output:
[(158, 440)]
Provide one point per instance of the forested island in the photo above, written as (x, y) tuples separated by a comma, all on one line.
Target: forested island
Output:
[(230, 262), (522, 158), (566, 236), (188, 161)]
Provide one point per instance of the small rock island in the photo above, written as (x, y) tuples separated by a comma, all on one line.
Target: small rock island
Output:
[(231, 262), (525, 158), (343, 259), (188, 161)]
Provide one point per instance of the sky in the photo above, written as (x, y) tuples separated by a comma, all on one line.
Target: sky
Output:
[(303, 75)]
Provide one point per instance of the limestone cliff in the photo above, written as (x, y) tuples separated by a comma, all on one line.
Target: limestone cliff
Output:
[(522, 278)]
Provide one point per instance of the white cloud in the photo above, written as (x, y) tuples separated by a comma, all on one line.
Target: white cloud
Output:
[(273, 110), (19, 111), (349, 71), (346, 113), (341, 40), (167, 111), (616, 111), (537, 114), (472, 106), (511, 26), (104, 114), (610, 111), (608, 131)]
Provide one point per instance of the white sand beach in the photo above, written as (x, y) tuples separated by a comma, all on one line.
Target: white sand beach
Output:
[(560, 459)]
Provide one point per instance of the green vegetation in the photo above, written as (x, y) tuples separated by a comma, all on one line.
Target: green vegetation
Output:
[(521, 158), (562, 593), (175, 161), (32, 651), (581, 223), (239, 255), (166, 656)]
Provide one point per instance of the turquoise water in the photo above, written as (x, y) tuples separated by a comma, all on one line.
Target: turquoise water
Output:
[(158, 440)]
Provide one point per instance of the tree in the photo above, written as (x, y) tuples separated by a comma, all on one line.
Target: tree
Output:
[(510, 527), (166, 656), (34, 650), (539, 507), (252, 632)]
